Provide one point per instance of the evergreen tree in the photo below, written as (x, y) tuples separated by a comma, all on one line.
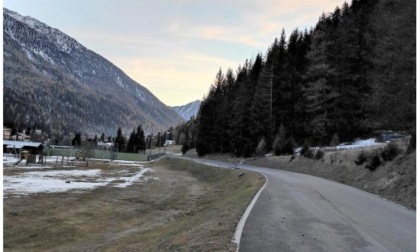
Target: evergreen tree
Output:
[(393, 76), (261, 110), (205, 128), (77, 140), (239, 112), (102, 138), (119, 140), (282, 87), (320, 92), (349, 55), (140, 142)]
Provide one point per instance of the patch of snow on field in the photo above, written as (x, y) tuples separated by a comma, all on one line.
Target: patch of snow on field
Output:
[(50, 181), (128, 164), (359, 144), (66, 174), (33, 167), (130, 180), (9, 160)]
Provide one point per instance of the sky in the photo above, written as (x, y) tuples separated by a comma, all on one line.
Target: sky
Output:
[(175, 48)]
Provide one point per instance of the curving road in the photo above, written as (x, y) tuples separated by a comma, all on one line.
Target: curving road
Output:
[(298, 212)]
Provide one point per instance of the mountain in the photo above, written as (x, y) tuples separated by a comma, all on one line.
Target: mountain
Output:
[(54, 83), (188, 110)]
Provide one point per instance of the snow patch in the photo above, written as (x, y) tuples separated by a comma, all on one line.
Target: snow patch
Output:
[(359, 144), (119, 82), (52, 181), (29, 55), (44, 56), (130, 180)]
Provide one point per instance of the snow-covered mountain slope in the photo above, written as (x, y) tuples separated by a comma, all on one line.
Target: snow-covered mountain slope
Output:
[(188, 110), (50, 78)]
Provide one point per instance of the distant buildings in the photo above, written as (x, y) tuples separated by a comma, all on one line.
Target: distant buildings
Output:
[(35, 135), (7, 133), (169, 143), (17, 146), (22, 137)]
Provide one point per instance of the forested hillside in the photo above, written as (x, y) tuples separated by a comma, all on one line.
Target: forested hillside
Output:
[(53, 83), (352, 74)]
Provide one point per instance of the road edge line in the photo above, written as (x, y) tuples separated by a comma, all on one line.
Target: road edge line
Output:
[(241, 224)]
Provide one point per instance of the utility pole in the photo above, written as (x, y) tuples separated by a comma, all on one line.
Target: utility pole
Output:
[(164, 145), (271, 104), (151, 141), (160, 137)]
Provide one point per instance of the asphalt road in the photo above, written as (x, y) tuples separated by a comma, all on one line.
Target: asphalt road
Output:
[(298, 212)]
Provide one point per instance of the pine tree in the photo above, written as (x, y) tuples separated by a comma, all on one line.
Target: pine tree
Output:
[(131, 142), (140, 142), (298, 47), (102, 138), (77, 140), (393, 77), (320, 92), (119, 140), (282, 87), (239, 111), (250, 141), (261, 109)]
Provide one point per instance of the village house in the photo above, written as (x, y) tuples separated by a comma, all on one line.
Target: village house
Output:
[(17, 146), (7, 133), (22, 137)]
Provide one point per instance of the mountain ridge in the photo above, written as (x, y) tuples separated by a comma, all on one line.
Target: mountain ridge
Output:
[(188, 110), (48, 66)]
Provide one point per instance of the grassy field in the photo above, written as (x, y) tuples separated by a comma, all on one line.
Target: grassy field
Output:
[(187, 207)]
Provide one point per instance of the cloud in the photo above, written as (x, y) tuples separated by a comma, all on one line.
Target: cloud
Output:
[(256, 23)]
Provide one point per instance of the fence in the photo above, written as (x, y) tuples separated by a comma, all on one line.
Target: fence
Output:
[(100, 153)]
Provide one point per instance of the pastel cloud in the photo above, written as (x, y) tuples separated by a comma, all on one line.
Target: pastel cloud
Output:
[(179, 76)]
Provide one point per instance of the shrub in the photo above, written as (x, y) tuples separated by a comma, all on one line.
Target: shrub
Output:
[(335, 140), (412, 145), (306, 151), (261, 148), (185, 147), (374, 162), (390, 152), (361, 158), (283, 147), (319, 154), (288, 146), (201, 148)]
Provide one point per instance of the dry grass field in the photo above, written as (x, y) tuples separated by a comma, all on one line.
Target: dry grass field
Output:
[(185, 207)]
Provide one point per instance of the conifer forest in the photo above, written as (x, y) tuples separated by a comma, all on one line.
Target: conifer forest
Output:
[(352, 74)]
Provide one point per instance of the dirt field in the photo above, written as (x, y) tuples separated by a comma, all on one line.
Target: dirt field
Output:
[(183, 206)]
